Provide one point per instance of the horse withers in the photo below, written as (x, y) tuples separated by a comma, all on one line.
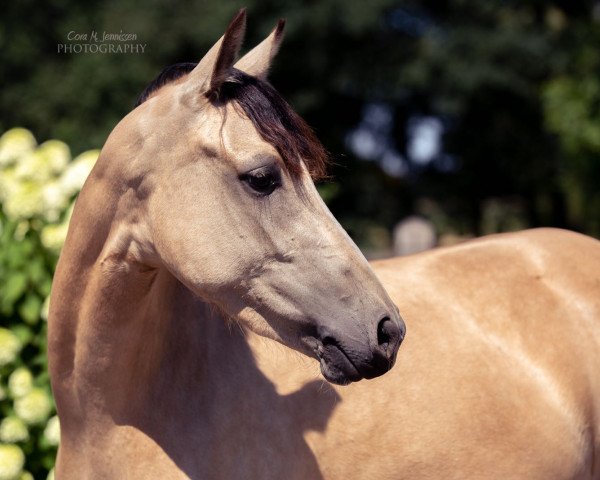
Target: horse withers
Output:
[(201, 216)]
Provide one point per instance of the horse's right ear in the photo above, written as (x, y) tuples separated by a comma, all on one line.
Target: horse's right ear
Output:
[(214, 68)]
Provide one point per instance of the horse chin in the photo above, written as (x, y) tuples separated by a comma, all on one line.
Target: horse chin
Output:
[(339, 374)]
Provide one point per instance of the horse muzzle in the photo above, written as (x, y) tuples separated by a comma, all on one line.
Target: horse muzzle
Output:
[(344, 360)]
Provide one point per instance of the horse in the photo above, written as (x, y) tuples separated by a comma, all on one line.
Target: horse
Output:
[(202, 276)]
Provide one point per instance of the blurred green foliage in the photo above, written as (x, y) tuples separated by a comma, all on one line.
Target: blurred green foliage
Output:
[(572, 111), (37, 188), (514, 84)]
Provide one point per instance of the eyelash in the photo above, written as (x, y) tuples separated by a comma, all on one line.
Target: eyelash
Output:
[(262, 180)]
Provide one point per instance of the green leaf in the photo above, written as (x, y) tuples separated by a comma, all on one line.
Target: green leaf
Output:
[(36, 270), (30, 309), (23, 333), (16, 285)]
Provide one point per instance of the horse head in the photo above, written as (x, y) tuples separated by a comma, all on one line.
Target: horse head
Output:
[(223, 169)]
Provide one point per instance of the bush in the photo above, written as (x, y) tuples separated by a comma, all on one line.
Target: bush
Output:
[(38, 186)]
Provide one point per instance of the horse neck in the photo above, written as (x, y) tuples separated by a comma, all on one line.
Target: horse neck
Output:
[(123, 339)]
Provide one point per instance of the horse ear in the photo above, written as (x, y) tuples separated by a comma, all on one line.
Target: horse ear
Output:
[(258, 60), (217, 63)]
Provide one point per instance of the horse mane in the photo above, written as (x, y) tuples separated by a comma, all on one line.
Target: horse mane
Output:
[(274, 119), (167, 75)]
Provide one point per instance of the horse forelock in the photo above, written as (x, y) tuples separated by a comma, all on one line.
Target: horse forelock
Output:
[(274, 119)]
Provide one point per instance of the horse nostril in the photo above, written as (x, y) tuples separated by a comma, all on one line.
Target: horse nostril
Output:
[(388, 335)]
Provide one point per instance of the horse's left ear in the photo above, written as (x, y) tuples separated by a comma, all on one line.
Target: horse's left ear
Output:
[(216, 65), (258, 60)]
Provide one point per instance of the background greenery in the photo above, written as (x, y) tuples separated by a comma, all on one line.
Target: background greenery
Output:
[(512, 89), (38, 184)]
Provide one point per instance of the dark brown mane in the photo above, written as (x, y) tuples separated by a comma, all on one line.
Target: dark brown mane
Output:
[(271, 115), (169, 74)]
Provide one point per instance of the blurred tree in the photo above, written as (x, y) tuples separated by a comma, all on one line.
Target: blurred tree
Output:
[(572, 107), (470, 88)]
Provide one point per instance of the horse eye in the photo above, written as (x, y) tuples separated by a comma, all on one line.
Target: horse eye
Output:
[(262, 180)]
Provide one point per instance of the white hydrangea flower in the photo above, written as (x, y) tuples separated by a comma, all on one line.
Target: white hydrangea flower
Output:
[(33, 408), (57, 155), (14, 144), (12, 429), (77, 172), (55, 200), (21, 230), (20, 382), (25, 201), (12, 460), (53, 236), (52, 431), (9, 183), (45, 308), (34, 167), (50, 475), (26, 476), (10, 346), (89, 156)]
